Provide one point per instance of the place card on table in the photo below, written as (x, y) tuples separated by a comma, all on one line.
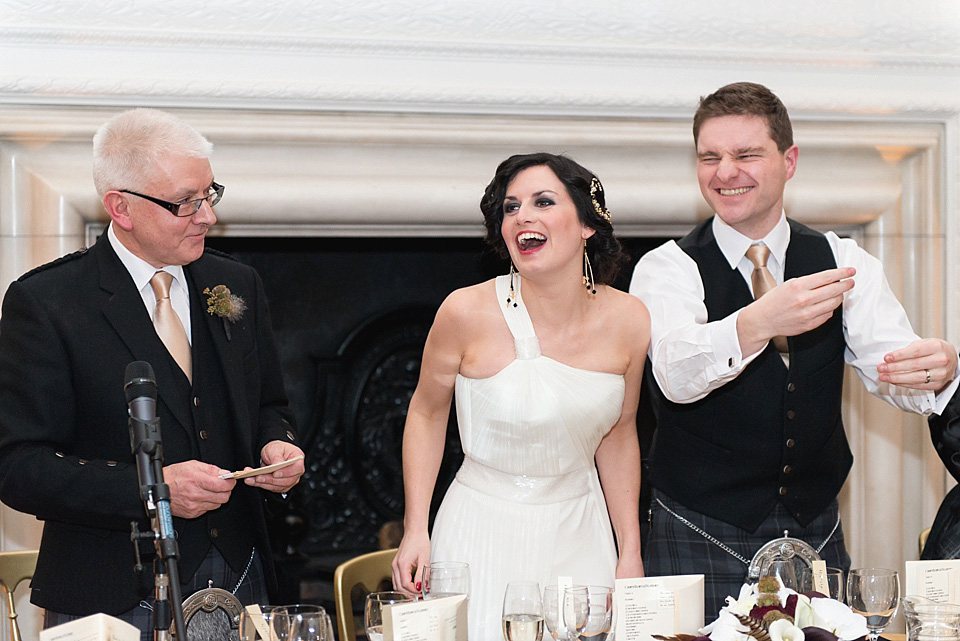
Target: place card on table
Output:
[(440, 619), (935, 580), (663, 605), (96, 627)]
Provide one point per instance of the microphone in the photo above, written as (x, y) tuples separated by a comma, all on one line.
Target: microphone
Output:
[(140, 389)]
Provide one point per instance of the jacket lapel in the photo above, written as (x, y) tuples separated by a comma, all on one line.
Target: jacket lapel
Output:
[(125, 312), (201, 274)]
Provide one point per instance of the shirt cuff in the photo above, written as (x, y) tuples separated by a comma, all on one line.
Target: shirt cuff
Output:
[(940, 400), (726, 347)]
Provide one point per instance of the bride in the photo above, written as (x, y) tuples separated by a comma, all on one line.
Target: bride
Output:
[(545, 364)]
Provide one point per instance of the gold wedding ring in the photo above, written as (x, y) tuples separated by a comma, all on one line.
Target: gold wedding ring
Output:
[(928, 375)]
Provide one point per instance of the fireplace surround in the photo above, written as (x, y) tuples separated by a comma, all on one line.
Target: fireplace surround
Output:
[(357, 178)]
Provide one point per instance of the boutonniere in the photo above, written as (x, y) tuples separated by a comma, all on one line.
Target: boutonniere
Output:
[(228, 306)]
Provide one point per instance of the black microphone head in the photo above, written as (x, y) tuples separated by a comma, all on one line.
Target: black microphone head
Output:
[(139, 381)]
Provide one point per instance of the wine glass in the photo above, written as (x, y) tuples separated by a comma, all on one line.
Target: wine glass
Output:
[(834, 582), (522, 612), (308, 622), (874, 593), (373, 611), (263, 623), (588, 611), (553, 611), (445, 578), (786, 571)]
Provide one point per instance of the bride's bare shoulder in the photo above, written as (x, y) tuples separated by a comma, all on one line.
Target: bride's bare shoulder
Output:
[(627, 312), (467, 303)]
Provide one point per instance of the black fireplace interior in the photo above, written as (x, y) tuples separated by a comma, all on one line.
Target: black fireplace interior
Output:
[(350, 317)]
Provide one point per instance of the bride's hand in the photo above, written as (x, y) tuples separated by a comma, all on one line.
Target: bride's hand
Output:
[(412, 556)]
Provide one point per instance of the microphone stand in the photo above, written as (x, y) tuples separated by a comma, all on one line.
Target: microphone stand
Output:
[(148, 449)]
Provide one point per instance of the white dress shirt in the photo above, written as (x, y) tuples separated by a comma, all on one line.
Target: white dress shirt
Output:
[(691, 357), (141, 271)]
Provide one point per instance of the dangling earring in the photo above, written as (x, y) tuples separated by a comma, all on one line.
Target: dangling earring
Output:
[(588, 271), (512, 298)]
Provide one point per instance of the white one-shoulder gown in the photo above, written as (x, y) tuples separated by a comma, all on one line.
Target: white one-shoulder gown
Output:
[(527, 502)]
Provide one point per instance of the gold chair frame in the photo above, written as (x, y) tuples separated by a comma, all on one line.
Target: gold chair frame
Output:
[(366, 570), (15, 567)]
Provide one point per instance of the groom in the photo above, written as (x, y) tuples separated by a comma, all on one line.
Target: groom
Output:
[(752, 318)]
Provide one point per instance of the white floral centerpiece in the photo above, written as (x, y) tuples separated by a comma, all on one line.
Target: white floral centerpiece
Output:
[(769, 612)]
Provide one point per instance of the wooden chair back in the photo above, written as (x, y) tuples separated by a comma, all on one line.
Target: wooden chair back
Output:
[(368, 571)]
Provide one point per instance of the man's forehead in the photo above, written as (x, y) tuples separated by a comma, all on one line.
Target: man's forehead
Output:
[(738, 133), (186, 174)]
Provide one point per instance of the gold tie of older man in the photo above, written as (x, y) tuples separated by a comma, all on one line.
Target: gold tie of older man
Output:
[(168, 325)]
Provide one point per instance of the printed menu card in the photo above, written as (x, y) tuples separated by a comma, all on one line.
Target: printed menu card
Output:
[(935, 580), (664, 605), (439, 619)]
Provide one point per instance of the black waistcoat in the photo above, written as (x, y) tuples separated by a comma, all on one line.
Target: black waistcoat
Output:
[(209, 439), (770, 434)]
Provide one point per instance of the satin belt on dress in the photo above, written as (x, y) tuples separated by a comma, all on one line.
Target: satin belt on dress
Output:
[(537, 490)]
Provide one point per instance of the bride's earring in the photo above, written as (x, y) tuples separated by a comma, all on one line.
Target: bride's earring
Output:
[(512, 298), (588, 281)]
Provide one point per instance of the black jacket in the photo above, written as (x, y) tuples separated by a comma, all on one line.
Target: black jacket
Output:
[(68, 330)]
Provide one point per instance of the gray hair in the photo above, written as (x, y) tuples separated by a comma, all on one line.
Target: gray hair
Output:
[(127, 148)]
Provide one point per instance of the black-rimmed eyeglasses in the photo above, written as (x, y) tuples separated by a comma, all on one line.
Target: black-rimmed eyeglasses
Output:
[(187, 208)]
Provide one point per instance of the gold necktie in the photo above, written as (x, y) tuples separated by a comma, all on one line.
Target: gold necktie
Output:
[(168, 325), (763, 282)]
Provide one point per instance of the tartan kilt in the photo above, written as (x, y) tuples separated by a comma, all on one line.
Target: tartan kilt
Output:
[(672, 547)]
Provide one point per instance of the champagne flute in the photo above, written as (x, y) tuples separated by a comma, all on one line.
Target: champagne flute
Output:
[(373, 611), (553, 611), (522, 612), (445, 578), (874, 593), (588, 612)]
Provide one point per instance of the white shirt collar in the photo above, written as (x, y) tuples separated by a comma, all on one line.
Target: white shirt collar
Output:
[(734, 245), (140, 270)]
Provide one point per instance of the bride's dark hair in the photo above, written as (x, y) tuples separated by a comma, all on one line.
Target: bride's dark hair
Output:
[(605, 252)]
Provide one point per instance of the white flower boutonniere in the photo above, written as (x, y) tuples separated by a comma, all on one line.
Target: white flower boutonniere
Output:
[(225, 304)]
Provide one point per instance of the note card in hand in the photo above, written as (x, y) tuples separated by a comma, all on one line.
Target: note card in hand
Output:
[(664, 605), (935, 580), (442, 619)]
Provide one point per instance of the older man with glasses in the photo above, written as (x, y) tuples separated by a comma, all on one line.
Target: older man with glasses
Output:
[(146, 291)]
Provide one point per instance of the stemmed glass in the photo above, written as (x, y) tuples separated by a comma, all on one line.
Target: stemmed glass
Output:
[(786, 571), (373, 611), (263, 623), (445, 578), (874, 593), (588, 611), (834, 582), (308, 623), (553, 611), (522, 612)]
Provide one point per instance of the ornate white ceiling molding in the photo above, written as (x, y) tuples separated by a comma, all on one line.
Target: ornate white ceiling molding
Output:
[(608, 57), (802, 53)]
